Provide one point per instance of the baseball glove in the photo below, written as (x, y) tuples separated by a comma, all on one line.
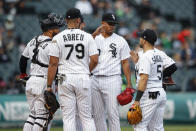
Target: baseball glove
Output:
[(51, 102), (134, 115), (168, 81), (23, 78), (126, 96)]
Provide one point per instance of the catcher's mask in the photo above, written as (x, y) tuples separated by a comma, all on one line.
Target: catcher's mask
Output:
[(53, 21)]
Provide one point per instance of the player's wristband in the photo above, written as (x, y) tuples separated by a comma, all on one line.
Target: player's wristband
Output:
[(139, 95), (49, 86)]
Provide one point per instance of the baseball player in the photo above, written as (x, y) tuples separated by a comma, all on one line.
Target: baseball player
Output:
[(37, 50), (78, 121), (151, 64), (75, 54), (106, 79)]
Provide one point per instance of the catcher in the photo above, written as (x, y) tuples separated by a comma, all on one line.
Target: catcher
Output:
[(152, 65), (42, 104)]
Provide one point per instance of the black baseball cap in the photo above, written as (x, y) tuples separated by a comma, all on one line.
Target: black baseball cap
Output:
[(82, 19), (73, 13), (149, 35), (110, 17)]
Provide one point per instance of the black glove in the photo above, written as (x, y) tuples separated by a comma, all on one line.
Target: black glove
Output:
[(51, 103)]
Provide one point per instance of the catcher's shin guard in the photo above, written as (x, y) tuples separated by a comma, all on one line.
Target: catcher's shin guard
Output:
[(41, 123), (29, 123)]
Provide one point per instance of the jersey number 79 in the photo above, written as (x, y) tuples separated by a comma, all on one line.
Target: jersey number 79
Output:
[(79, 48)]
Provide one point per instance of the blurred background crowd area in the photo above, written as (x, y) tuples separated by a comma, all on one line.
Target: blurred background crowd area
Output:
[(173, 20)]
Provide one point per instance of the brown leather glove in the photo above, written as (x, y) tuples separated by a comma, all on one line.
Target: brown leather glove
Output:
[(134, 115)]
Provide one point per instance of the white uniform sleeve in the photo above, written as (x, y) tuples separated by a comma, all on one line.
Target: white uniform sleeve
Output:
[(25, 53), (92, 46), (144, 65), (54, 48), (167, 61), (125, 50)]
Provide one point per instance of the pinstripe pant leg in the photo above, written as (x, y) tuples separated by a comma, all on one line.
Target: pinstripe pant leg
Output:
[(67, 101), (28, 126), (98, 106), (111, 87), (149, 109), (156, 123), (84, 102)]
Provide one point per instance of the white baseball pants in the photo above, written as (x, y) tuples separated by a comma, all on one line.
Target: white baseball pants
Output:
[(35, 87), (152, 111), (104, 92), (75, 90)]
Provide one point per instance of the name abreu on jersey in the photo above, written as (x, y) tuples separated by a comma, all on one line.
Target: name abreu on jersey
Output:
[(73, 47)]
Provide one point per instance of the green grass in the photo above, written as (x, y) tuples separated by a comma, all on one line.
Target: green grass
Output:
[(167, 128)]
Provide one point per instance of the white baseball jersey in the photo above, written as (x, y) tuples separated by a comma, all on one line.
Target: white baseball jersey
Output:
[(111, 51), (73, 48), (42, 56), (143, 66), (152, 62)]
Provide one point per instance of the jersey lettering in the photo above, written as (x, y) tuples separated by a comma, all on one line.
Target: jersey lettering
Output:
[(73, 37)]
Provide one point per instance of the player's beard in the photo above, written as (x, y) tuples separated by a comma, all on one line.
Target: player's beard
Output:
[(141, 46), (54, 33)]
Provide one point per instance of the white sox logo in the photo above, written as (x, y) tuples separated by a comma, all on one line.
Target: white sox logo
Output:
[(113, 17), (113, 50)]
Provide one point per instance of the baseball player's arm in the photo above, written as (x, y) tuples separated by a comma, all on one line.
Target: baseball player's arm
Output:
[(141, 87), (98, 31), (52, 68), (23, 61), (169, 66), (144, 71), (127, 72), (53, 63), (134, 56), (93, 62), (167, 72), (23, 64)]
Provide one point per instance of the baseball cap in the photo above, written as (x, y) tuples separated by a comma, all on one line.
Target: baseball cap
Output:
[(73, 13), (109, 17), (149, 35), (82, 19)]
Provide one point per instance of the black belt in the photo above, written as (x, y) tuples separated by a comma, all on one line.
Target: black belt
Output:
[(153, 95), (38, 76)]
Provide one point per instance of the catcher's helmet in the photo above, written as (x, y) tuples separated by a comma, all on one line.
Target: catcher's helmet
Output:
[(53, 21)]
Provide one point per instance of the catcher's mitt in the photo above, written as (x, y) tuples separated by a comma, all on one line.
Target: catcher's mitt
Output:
[(126, 96), (134, 115), (51, 102)]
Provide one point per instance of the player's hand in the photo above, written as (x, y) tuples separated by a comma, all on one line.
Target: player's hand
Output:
[(136, 103), (49, 89), (23, 78), (134, 56), (129, 86), (98, 31), (56, 88), (23, 75)]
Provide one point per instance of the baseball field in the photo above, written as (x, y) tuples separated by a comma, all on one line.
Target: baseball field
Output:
[(167, 128)]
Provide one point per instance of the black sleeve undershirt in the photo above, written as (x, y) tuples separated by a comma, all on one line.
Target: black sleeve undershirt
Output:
[(167, 72), (23, 64)]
